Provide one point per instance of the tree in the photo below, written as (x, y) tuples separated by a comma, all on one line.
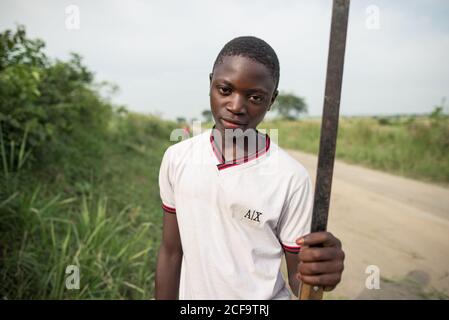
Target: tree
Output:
[(438, 111), (207, 114), (45, 104), (180, 120), (290, 106)]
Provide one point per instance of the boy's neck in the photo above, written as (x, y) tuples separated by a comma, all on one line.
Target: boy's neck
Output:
[(235, 147)]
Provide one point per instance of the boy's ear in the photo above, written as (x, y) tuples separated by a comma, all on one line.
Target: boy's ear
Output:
[(210, 81), (273, 98)]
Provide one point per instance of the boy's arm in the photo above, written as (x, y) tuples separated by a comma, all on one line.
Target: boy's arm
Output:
[(169, 260), (292, 265)]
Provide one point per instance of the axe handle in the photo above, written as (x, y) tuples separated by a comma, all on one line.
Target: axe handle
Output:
[(308, 292), (329, 126)]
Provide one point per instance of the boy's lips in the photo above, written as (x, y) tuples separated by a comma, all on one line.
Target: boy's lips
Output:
[(232, 124)]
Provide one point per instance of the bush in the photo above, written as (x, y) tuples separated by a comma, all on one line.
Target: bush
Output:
[(42, 101), (89, 196)]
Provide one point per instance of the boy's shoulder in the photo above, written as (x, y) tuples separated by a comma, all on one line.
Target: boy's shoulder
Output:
[(290, 168), (184, 146)]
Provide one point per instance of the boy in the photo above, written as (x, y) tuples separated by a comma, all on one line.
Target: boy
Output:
[(231, 209)]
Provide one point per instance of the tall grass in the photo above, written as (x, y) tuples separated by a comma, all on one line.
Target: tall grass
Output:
[(102, 215), (78, 180), (416, 147)]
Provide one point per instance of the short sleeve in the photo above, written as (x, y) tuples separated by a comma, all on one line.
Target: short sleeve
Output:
[(296, 218), (166, 183)]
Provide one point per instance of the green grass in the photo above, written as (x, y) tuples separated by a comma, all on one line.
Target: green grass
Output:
[(413, 147), (78, 180), (96, 207)]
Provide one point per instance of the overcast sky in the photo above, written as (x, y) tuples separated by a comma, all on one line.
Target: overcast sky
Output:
[(161, 52)]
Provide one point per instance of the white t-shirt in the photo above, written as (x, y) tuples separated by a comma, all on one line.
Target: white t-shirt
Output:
[(234, 220)]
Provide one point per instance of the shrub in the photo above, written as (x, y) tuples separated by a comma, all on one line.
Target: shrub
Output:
[(43, 100)]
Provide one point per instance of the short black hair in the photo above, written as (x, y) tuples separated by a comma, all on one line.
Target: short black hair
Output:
[(255, 49)]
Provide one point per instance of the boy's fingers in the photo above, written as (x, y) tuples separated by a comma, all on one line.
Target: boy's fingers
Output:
[(324, 238), (318, 268), (324, 280), (320, 254)]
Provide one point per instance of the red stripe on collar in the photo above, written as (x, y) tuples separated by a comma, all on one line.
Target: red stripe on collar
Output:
[(227, 164)]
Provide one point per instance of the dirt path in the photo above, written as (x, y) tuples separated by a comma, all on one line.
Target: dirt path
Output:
[(397, 224)]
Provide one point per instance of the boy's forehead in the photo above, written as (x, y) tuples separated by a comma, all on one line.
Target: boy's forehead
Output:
[(244, 71)]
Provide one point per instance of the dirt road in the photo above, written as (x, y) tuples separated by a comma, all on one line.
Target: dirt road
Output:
[(397, 224)]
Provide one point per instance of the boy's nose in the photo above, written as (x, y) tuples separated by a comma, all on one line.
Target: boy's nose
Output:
[(237, 105)]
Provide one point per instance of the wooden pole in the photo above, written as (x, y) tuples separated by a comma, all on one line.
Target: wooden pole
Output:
[(329, 128)]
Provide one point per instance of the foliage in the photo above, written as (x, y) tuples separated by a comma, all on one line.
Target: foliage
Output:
[(207, 115), (78, 181), (290, 106), (45, 100), (413, 146)]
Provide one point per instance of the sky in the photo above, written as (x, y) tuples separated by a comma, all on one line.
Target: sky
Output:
[(160, 53)]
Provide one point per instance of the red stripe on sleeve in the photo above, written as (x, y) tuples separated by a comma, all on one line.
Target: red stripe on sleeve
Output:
[(291, 249), (168, 209)]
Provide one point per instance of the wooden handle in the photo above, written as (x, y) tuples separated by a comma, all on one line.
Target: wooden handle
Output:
[(308, 292)]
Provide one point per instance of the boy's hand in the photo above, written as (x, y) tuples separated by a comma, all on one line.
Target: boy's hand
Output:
[(320, 266)]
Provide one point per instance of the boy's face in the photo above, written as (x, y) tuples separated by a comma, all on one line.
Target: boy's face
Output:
[(241, 92)]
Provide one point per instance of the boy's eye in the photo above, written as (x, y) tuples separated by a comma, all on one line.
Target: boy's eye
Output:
[(224, 90), (256, 98)]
